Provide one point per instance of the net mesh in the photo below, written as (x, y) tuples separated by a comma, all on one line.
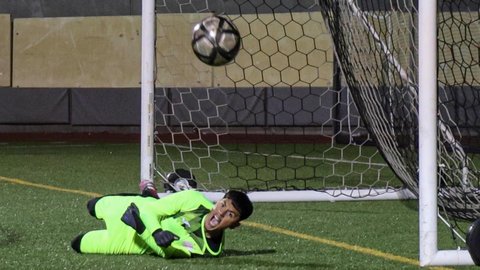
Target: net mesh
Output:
[(279, 117), (381, 71)]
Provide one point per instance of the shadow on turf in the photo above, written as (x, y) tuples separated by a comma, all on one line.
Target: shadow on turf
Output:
[(295, 208), (244, 258), (257, 262), (410, 204)]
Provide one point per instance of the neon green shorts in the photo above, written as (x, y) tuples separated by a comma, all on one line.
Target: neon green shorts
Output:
[(117, 238)]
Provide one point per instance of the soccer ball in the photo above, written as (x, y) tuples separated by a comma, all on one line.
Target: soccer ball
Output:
[(216, 41)]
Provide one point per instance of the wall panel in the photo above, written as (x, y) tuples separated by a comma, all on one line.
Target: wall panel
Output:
[(105, 107), (77, 52), (34, 106), (5, 49)]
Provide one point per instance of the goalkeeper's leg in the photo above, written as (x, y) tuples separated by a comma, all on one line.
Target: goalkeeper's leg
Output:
[(117, 238), (111, 205), (124, 241)]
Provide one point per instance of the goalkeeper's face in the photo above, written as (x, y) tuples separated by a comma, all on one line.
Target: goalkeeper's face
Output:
[(223, 215)]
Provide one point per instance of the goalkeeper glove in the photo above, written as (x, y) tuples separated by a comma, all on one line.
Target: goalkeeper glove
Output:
[(164, 238), (131, 217)]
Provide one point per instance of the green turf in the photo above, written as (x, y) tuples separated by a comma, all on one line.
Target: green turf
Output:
[(280, 166), (37, 224)]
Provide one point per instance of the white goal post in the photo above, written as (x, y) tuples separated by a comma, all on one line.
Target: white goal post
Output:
[(148, 172), (428, 134), (147, 90), (427, 122)]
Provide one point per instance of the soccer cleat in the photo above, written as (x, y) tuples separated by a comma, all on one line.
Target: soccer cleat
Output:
[(148, 189)]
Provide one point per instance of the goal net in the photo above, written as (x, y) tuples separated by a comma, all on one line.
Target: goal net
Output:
[(377, 44), (280, 117), (382, 67), (322, 101)]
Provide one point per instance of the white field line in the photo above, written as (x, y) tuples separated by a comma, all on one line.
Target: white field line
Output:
[(289, 156)]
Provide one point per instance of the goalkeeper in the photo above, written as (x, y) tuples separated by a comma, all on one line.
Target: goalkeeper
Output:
[(182, 224)]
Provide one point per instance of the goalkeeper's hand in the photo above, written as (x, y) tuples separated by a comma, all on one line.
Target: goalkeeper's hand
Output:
[(131, 217), (164, 238)]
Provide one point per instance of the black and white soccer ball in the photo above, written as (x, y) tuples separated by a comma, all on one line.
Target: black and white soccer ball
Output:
[(216, 41)]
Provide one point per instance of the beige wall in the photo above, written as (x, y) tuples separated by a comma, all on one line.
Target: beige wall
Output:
[(5, 49), (263, 60), (469, 53), (177, 66), (105, 52), (77, 52)]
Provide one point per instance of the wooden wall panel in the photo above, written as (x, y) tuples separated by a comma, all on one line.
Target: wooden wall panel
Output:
[(262, 61), (5, 50), (177, 65), (105, 52), (290, 49), (77, 52)]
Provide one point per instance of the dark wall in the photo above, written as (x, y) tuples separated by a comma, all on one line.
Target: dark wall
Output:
[(80, 107), (69, 110), (41, 110), (69, 8)]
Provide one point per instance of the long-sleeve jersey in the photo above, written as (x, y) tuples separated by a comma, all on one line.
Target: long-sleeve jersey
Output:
[(182, 213)]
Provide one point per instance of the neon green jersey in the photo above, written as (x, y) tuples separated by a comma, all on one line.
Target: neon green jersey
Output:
[(182, 213)]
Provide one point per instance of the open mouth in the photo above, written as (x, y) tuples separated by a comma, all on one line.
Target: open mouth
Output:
[(214, 221)]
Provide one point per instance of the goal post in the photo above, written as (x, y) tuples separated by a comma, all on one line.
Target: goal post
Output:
[(326, 100), (273, 122), (147, 91), (424, 122), (427, 123)]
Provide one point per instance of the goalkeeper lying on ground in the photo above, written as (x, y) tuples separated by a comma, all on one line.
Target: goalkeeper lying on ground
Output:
[(179, 225)]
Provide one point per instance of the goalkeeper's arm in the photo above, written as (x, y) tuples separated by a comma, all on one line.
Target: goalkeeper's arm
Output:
[(145, 218), (156, 240)]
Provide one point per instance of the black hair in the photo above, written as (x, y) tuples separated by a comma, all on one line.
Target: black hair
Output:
[(241, 202)]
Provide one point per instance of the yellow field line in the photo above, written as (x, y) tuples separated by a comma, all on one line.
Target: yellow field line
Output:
[(27, 183), (338, 244), (355, 248)]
